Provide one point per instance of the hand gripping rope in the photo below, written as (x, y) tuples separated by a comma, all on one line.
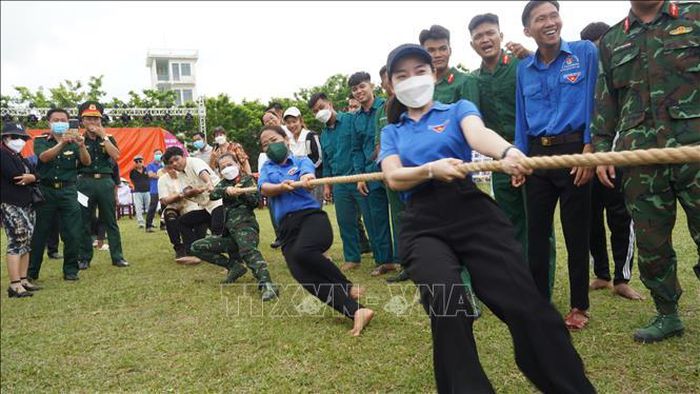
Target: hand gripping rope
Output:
[(685, 154)]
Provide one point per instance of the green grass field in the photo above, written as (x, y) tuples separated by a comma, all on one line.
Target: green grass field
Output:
[(158, 326)]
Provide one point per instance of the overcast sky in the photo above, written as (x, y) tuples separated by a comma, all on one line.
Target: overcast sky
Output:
[(252, 50)]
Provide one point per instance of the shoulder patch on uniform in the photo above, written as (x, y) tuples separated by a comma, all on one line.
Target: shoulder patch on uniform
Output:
[(623, 46)]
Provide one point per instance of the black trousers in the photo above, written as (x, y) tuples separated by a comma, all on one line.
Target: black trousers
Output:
[(52, 239), (612, 201), (544, 189), (172, 227), (150, 215), (305, 236), (448, 226), (193, 225)]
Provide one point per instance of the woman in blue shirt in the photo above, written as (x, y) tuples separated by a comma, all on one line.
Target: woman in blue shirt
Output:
[(449, 223), (304, 229)]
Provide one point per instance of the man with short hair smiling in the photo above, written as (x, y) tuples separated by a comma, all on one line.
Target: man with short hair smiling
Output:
[(496, 80), (373, 203), (554, 105), (452, 84)]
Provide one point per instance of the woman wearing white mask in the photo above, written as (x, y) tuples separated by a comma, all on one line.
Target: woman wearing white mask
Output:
[(224, 146), (305, 143), (18, 217), (449, 223)]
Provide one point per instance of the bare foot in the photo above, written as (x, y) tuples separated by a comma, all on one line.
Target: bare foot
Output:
[(356, 292), (349, 266), (598, 284), (624, 290), (362, 318)]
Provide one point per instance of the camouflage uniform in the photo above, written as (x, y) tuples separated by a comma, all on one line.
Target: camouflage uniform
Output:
[(647, 97), (240, 237)]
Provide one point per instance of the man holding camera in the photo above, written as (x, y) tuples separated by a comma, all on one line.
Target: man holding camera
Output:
[(58, 155), (95, 182)]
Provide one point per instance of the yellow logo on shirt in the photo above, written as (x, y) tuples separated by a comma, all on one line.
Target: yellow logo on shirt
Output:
[(439, 128), (680, 30)]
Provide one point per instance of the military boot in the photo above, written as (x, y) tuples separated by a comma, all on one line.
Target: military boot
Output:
[(269, 291), (662, 327), (235, 271)]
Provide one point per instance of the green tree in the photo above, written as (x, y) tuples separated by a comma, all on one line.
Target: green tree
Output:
[(68, 94)]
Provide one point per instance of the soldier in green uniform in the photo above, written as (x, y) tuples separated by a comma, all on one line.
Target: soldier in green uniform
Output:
[(396, 206), (58, 155), (647, 97), (95, 182), (242, 230), (496, 81), (373, 203), (337, 161), (452, 84)]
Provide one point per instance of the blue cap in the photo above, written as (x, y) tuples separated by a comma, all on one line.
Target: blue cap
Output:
[(401, 52)]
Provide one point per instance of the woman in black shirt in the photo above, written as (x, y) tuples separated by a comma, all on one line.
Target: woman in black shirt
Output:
[(16, 177)]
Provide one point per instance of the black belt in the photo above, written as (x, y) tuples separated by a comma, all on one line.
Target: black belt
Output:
[(576, 136), (95, 176), (57, 184)]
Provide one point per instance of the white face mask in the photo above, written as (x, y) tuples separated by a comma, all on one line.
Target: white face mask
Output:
[(323, 115), (230, 172), (16, 145), (221, 139), (415, 92)]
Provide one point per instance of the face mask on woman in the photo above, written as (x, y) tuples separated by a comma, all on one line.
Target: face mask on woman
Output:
[(15, 145), (230, 173), (157, 156), (221, 139), (415, 92), (323, 115), (277, 152)]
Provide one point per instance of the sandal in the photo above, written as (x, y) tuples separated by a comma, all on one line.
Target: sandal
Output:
[(28, 285)]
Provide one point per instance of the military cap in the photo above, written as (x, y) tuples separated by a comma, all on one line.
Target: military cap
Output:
[(91, 108)]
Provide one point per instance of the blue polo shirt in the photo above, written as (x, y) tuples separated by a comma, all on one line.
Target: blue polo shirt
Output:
[(292, 169), (557, 98), (437, 135), (154, 167)]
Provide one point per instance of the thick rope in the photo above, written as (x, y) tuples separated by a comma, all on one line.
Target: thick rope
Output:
[(685, 154)]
